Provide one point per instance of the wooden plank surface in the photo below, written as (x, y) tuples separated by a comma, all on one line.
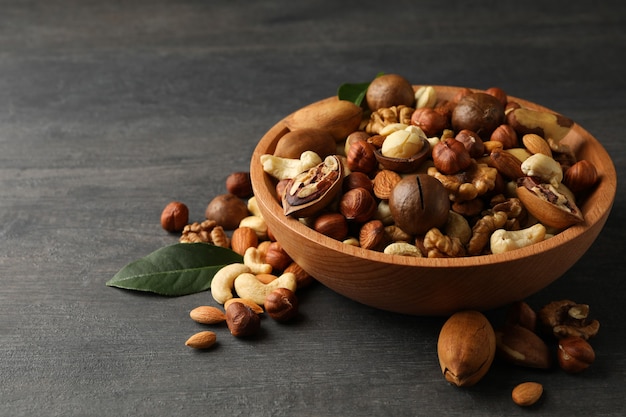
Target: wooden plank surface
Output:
[(109, 110)]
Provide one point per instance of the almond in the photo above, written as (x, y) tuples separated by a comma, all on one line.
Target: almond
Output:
[(207, 315), (202, 340), (247, 302), (243, 238), (527, 393), (506, 163), (536, 144)]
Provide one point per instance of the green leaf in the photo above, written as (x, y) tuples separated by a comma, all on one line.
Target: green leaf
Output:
[(179, 269), (354, 92)]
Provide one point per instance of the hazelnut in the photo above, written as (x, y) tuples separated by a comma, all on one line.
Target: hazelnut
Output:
[(389, 90), (372, 235), (227, 210), (333, 225), (241, 320), (419, 203), (506, 135), (450, 156), (498, 93), (580, 176), (575, 354), (281, 304), (357, 179), (239, 184), (478, 112), (472, 142), (358, 205), (430, 121), (277, 257), (174, 217), (361, 157)]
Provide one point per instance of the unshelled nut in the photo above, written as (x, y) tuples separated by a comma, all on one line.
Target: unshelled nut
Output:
[(241, 320), (580, 176), (239, 184), (450, 156), (227, 210), (281, 304), (202, 340), (277, 257), (575, 354), (333, 225), (242, 239), (358, 205), (520, 346), (466, 348), (527, 393), (174, 217)]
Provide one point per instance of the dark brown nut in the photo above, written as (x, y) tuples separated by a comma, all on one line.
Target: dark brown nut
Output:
[(498, 93), (522, 314), (361, 157), (357, 179), (581, 176), (239, 184), (565, 318), (372, 235), (507, 164), (479, 112), (520, 346), (462, 92), (281, 304), (295, 142), (430, 121), (472, 142), (174, 217), (506, 135), (358, 205), (418, 203), (450, 156), (241, 320), (277, 257), (333, 225), (389, 90), (311, 191), (575, 354), (338, 117), (227, 210)]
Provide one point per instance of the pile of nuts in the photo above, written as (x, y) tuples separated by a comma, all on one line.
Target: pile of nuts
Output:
[(416, 175), (468, 344), (266, 280)]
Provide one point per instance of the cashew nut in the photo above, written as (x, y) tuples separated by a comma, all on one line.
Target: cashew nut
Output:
[(223, 281), (253, 259), (458, 226), (248, 286), (403, 249), (507, 240), (257, 224), (253, 207), (544, 167), (284, 168)]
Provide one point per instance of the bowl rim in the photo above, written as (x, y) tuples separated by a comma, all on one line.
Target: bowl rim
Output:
[(595, 216)]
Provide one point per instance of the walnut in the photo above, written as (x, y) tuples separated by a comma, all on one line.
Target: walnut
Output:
[(198, 232), (566, 318), (515, 211), (388, 115), (219, 237), (439, 245), (482, 230), (477, 180)]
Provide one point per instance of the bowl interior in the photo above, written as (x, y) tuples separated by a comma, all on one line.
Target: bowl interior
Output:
[(434, 286)]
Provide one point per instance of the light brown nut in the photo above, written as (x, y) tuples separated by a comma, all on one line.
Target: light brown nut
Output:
[(339, 117), (202, 340), (207, 315), (247, 302), (303, 278), (536, 144), (520, 346), (174, 217), (527, 393), (466, 348), (242, 239), (575, 354), (384, 181)]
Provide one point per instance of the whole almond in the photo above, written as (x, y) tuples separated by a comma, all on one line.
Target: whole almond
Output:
[(242, 239), (207, 315), (202, 340), (506, 163), (536, 144), (520, 346), (466, 348), (527, 393), (247, 302)]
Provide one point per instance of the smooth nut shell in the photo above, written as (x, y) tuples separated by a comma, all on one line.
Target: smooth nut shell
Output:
[(520, 346), (389, 90), (295, 142), (479, 112), (338, 117), (547, 213), (466, 348), (227, 210)]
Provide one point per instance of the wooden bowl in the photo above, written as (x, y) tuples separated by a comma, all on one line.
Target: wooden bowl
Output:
[(441, 286)]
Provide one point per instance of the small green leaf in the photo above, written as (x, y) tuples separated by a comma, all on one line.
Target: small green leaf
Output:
[(179, 269), (354, 92)]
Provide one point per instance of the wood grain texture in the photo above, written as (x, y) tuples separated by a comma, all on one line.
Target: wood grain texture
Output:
[(109, 110)]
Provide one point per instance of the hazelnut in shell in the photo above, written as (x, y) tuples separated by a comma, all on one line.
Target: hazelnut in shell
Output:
[(418, 203)]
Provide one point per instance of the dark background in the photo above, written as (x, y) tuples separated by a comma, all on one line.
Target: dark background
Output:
[(109, 110)]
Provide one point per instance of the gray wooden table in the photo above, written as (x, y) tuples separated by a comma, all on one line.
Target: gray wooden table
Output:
[(109, 110)]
